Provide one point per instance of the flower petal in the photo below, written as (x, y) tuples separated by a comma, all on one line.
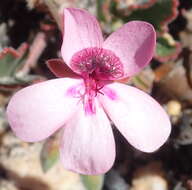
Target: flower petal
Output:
[(60, 69), (134, 44), (141, 120), (37, 111), (81, 30), (88, 144)]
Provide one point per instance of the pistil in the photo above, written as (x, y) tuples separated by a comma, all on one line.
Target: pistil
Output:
[(90, 94)]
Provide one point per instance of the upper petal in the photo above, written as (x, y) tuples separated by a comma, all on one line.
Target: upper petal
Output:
[(81, 30), (138, 116), (88, 144), (37, 111), (134, 44)]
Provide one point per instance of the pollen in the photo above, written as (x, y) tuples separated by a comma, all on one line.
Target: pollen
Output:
[(99, 63)]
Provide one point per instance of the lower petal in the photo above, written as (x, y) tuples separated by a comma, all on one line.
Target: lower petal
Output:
[(37, 111), (88, 144), (141, 120)]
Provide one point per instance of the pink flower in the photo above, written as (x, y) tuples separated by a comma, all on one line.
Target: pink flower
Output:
[(88, 98)]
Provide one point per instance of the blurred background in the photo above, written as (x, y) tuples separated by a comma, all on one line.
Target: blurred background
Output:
[(29, 35)]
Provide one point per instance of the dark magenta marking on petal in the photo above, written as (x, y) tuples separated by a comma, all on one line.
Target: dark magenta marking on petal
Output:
[(110, 93), (89, 105), (102, 64), (76, 91), (86, 96)]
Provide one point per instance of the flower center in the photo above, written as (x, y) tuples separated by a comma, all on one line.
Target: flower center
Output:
[(100, 63), (96, 66)]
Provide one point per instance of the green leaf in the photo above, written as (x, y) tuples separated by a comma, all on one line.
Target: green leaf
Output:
[(92, 182), (135, 4), (160, 14), (49, 154), (163, 47), (7, 62), (14, 82), (104, 11), (10, 61), (144, 80), (166, 51), (100, 11)]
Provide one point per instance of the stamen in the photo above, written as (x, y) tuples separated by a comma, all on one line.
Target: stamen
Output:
[(102, 64)]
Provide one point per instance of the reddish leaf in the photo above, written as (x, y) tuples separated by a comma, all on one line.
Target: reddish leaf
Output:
[(60, 69)]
